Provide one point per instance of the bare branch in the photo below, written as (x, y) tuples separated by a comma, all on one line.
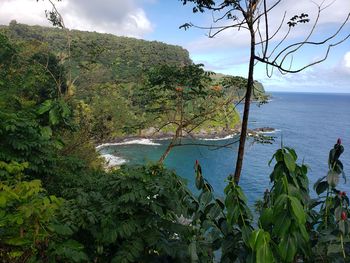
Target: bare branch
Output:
[(280, 67), (268, 10), (298, 46)]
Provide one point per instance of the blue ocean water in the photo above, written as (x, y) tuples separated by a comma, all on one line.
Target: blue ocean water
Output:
[(308, 122)]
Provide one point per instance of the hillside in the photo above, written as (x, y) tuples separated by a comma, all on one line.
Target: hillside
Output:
[(99, 58), (110, 76), (107, 57)]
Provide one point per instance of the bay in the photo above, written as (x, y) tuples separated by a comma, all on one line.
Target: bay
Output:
[(308, 122)]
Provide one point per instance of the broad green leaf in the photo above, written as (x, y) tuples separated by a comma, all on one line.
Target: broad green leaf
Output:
[(287, 248), (253, 239), (259, 241), (289, 161), (266, 217), (246, 232), (292, 152), (53, 116), (320, 186), (264, 255), (282, 224), (45, 107), (298, 210)]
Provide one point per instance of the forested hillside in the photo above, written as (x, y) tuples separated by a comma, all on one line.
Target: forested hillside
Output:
[(108, 57), (98, 58), (108, 78)]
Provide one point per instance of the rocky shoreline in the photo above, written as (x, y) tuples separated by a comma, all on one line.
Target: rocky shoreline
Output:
[(151, 134)]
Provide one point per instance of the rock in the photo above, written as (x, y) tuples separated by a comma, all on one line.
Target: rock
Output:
[(264, 129), (148, 132)]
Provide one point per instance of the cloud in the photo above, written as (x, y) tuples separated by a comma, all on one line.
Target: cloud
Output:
[(118, 17), (346, 61), (318, 78), (329, 20)]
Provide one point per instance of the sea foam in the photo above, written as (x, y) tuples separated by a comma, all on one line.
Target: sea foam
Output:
[(127, 142), (112, 160), (269, 132), (219, 138)]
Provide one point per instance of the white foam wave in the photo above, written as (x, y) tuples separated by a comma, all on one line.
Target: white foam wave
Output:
[(138, 141), (112, 160), (219, 138)]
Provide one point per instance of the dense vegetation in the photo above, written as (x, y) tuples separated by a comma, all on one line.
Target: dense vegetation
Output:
[(108, 76), (110, 58), (58, 204)]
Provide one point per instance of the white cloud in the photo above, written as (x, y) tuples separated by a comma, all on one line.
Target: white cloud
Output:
[(330, 19), (118, 17), (334, 78), (346, 60)]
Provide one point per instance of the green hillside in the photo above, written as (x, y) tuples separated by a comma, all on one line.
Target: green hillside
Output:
[(98, 58), (106, 57), (107, 77)]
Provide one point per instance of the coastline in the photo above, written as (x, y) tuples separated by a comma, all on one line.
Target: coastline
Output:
[(148, 139)]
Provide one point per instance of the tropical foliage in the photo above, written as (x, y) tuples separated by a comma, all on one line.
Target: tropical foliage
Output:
[(58, 204)]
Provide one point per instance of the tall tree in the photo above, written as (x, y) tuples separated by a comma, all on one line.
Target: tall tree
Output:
[(253, 16)]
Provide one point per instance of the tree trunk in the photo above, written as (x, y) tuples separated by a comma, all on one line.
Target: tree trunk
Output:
[(250, 85), (167, 151), (171, 145)]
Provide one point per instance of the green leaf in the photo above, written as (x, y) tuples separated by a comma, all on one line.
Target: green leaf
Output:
[(45, 107), (2, 201), (46, 132), (289, 161), (199, 181), (287, 248), (259, 241), (246, 232), (282, 224), (321, 186), (298, 210), (292, 152), (61, 229), (266, 217), (19, 221), (206, 197), (53, 116), (264, 254)]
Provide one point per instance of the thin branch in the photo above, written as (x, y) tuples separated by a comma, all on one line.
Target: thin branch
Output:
[(268, 10), (280, 67), (266, 30), (276, 32), (215, 20), (306, 39)]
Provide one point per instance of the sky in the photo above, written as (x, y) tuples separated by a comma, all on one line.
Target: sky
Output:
[(226, 53)]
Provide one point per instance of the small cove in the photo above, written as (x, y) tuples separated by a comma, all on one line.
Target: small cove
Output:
[(308, 122)]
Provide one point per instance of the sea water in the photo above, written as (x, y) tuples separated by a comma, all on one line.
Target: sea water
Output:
[(308, 122)]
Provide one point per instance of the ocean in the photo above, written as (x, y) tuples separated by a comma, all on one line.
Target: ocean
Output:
[(310, 123)]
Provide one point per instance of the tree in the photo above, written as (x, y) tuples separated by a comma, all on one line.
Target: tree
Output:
[(253, 16), (185, 99)]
